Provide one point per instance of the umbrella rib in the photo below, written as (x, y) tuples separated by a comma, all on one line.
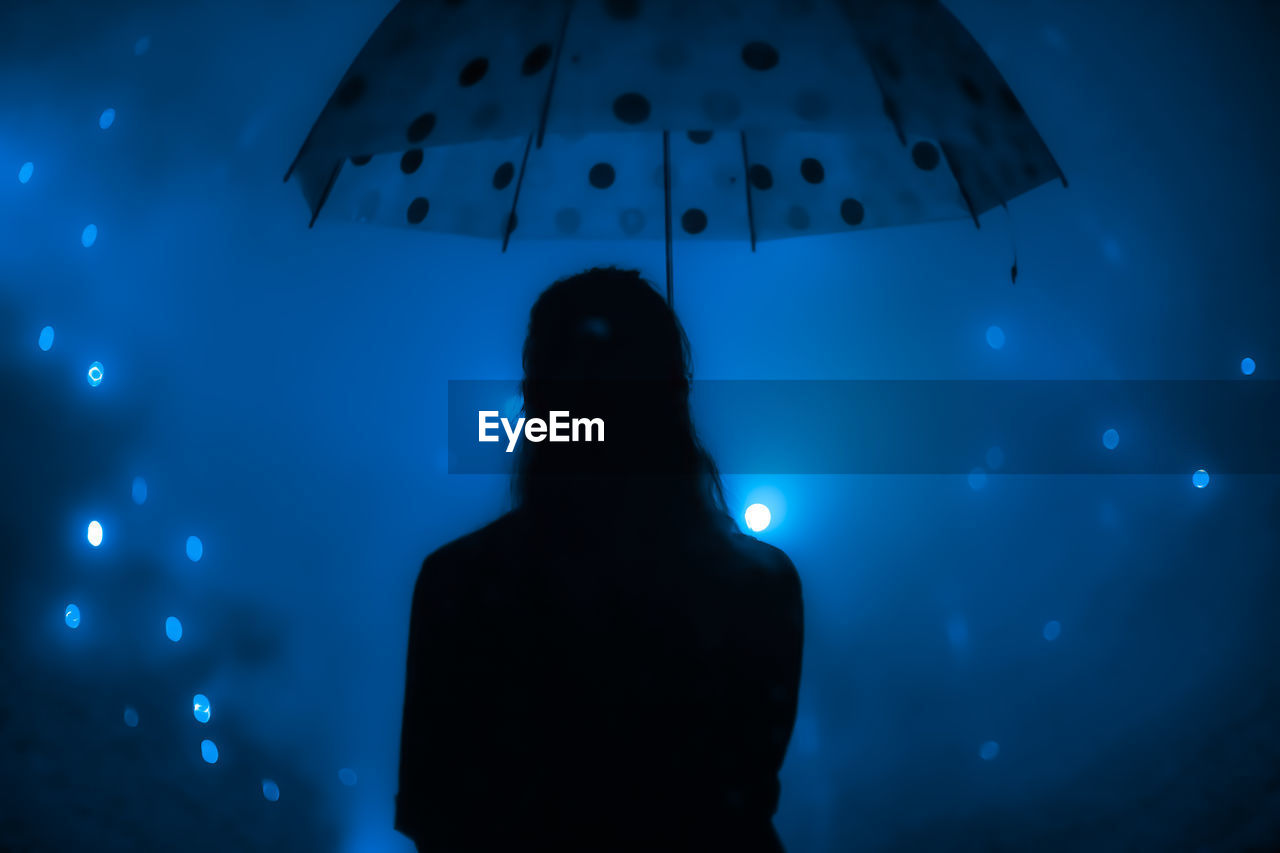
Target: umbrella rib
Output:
[(324, 196), (555, 67), (666, 193), (948, 154), (515, 198), (746, 179)]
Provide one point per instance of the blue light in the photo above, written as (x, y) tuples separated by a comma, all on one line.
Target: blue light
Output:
[(1247, 366), (108, 116), (142, 45), (347, 776), (1110, 439), (94, 534), (209, 751), (173, 628), (1200, 478), (89, 235), (757, 517), (977, 479), (24, 172), (995, 458), (195, 549), (131, 718), (270, 790), (95, 374), (46, 338), (995, 337), (72, 616), (139, 491), (1052, 630), (989, 750), (200, 708)]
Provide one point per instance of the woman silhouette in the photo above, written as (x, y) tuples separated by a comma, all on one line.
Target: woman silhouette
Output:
[(611, 666)]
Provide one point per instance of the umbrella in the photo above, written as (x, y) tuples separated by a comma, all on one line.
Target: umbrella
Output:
[(668, 119)]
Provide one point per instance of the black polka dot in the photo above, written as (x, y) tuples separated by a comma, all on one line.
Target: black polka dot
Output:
[(811, 170), (632, 221), (812, 105), (601, 176), (568, 220), (970, 89), (760, 56), (622, 10), (694, 221), (420, 128), (361, 159), (503, 174), (536, 60), (699, 137), (631, 108), (411, 160), (351, 90), (760, 176), (851, 211), (721, 107), (473, 71), (925, 155), (798, 217), (418, 210)]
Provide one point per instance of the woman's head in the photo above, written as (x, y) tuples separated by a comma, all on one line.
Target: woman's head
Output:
[(604, 344)]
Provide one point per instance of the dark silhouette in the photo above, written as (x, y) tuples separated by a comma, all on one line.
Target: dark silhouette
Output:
[(612, 665)]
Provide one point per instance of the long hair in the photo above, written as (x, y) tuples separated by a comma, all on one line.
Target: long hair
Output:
[(603, 343)]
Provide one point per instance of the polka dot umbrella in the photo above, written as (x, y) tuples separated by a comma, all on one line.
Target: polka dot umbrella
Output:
[(665, 119)]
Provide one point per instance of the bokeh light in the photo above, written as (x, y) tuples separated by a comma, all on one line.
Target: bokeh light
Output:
[(72, 616), (195, 549), (94, 533), (25, 172), (142, 45), (1052, 630), (270, 790), (347, 776), (131, 718), (107, 118), (989, 750), (209, 751), (173, 628), (1247, 366), (46, 338), (1200, 478), (139, 491), (95, 374), (977, 479), (89, 235), (200, 708), (995, 337), (995, 458), (1110, 439), (757, 517)]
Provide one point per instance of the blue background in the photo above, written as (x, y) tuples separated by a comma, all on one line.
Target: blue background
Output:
[(282, 392)]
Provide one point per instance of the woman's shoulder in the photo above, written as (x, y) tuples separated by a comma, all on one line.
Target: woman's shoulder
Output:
[(767, 563)]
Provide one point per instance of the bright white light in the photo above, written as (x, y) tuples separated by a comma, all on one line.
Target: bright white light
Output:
[(46, 338), (72, 616), (24, 173), (89, 235), (757, 517), (108, 116), (95, 374), (1247, 366), (1200, 479), (209, 751), (95, 534), (200, 708), (195, 549), (173, 628)]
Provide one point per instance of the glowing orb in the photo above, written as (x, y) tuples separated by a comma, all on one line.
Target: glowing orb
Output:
[(95, 374), (270, 790), (200, 708), (95, 534), (108, 116), (1052, 630), (995, 458), (131, 718), (1110, 439), (1247, 366), (173, 628), (995, 337), (195, 549), (72, 616), (209, 751), (347, 776), (989, 750), (757, 517), (89, 235), (24, 173), (139, 491), (1200, 479), (46, 338), (977, 479)]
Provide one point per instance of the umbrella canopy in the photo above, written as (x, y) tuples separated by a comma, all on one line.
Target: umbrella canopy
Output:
[(668, 119)]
